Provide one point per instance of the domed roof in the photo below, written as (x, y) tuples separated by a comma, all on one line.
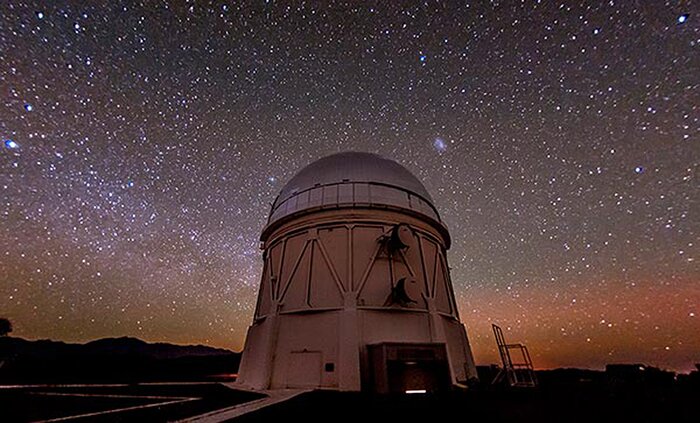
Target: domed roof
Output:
[(353, 179), (353, 166)]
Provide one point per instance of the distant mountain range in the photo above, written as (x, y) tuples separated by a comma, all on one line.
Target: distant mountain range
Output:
[(106, 346), (110, 359)]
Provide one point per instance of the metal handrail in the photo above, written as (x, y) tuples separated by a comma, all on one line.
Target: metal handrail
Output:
[(275, 205)]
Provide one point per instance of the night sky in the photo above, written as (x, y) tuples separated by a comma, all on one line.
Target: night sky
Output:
[(144, 143)]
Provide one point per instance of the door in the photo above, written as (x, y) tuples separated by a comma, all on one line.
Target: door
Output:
[(304, 369)]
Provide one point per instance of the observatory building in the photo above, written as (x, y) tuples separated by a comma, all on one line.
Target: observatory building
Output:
[(356, 291)]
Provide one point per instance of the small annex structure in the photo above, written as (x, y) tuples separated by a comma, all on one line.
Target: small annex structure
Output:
[(356, 291)]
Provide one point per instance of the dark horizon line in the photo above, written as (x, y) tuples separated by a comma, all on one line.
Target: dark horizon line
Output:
[(593, 369)]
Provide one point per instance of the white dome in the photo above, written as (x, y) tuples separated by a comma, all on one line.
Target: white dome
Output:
[(353, 179)]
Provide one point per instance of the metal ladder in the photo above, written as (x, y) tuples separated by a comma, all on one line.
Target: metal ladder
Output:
[(518, 374)]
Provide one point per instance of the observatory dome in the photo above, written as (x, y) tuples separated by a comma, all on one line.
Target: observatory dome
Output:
[(355, 292), (352, 179)]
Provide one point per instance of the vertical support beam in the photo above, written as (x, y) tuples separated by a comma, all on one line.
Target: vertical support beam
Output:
[(258, 358), (422, 265), (268, 354), (437, 334), (469, 365), (349, 378), (351, 276), (278, 290), (349, 345), (312, 238), (310, 272)]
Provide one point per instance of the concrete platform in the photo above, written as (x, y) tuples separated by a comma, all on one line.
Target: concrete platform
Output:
[(233, 412), (153, 402)]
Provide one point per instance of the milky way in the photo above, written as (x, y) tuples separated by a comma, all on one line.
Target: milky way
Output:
[(144, 143)]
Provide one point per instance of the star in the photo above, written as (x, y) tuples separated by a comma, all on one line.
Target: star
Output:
[(11, 144), (682, 18)]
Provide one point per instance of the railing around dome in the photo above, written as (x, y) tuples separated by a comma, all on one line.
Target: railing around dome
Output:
[(349, 194)]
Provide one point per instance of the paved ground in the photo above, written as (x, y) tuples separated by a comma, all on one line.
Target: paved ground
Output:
[(116, 402)]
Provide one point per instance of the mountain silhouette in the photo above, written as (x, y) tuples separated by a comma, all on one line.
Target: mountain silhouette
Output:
[(123, 358)]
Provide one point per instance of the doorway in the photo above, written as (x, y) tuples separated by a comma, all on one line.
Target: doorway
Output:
[(304, 369), (406, 368)]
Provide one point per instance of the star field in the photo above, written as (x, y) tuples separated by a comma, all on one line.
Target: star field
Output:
[(143, 144)]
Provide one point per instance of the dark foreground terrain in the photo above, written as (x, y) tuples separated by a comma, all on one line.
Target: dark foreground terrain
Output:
[(621, 393), (157, 402), (537, 406)]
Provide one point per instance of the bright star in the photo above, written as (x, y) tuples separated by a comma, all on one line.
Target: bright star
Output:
[(40, 15), (11, 144), (28, 107), (682, 18), (423, 58), (639, 169)]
